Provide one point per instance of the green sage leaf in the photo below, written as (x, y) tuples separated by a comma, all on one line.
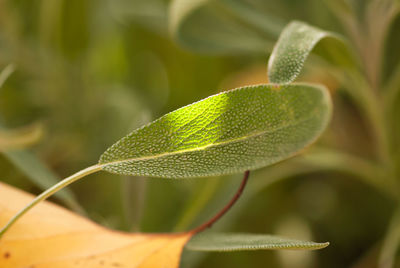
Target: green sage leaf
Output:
[(243, 242), (245, 128), (295, 43)]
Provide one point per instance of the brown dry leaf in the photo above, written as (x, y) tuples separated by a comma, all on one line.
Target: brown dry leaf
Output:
[(50, 236)]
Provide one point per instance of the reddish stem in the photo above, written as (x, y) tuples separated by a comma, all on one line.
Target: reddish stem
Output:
[(227, 207)]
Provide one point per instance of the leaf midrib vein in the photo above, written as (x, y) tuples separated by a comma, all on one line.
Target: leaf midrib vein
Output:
[(252, 135)]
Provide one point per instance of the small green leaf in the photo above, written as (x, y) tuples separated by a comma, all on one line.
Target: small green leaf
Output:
[(244, 242), (225, 26), (296, 42), (245, 128)]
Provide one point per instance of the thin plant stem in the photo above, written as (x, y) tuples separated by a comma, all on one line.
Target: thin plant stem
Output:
[(55, 188), (227, 207)]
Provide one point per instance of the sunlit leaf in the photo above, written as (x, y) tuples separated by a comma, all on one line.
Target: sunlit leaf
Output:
[(241, 129), (51, 236), (225, 26), (296, 42), (39, 174), (240, 241)]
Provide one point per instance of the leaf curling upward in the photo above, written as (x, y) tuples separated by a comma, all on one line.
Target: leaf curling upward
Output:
[(296, 42)]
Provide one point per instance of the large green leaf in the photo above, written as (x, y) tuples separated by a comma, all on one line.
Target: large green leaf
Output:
[(241, 129), (296, 42), (240, 241), (226, 26)]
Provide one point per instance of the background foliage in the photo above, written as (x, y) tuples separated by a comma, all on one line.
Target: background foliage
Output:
[(88, 72)]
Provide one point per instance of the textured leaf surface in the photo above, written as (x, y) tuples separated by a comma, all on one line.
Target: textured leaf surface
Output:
[(52, 237), (241, 129), (218, 26), (240, 241), (296, 42)]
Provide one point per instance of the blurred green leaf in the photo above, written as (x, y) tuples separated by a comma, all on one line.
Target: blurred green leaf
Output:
[(20, 137), (41, 175), (227, 26), (250, 12), (7, 71), (391, 243), (392, 88), (199, 198), (150, 14), (240, 241), (296, 42), (241, 129), (339, 6), (312, 161), (28, 163), (369, 172), (391, 61)]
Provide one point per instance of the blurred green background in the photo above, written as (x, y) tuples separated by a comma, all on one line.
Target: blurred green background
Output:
[(88, 72)]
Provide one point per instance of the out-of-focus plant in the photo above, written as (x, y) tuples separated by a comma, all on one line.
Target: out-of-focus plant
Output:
[(363, 60), (234, 131), (91, 71)]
